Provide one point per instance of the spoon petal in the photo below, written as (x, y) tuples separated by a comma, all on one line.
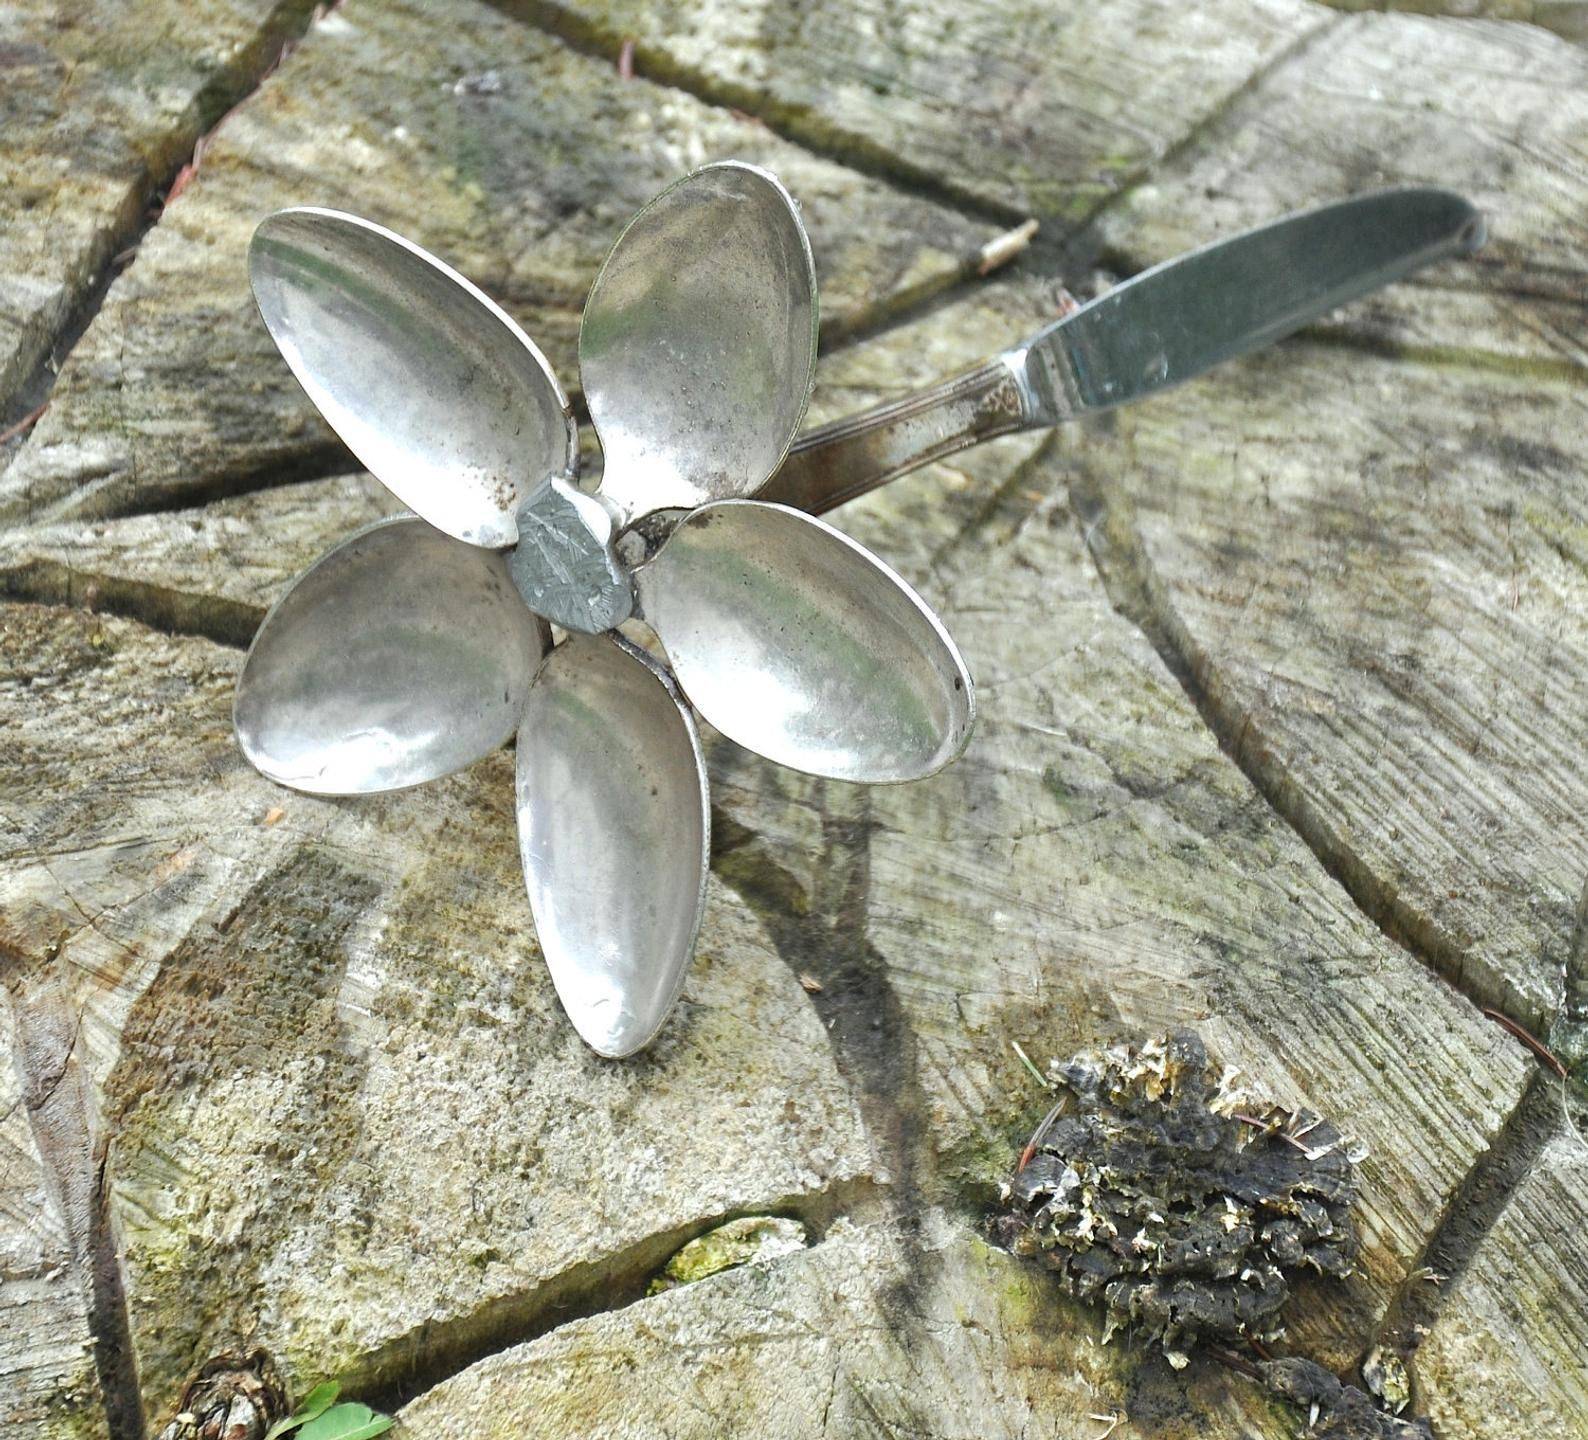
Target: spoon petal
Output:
[(614, 830), (439, 394), (801, 645), (399, 656), (699, 340)]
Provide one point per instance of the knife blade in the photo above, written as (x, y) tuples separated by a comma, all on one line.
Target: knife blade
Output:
[(1160, 328)]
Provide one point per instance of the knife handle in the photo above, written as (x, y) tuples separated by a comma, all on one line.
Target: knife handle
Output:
[(835, 463)]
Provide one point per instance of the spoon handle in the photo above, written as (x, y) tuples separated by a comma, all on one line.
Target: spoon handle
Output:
[(837, 462)]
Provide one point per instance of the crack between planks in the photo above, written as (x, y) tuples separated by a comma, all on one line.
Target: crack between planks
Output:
[(1134, 590), (157, 607), (796, 123), (1472, 1212), (1204, 126), (900, 308), (329, 457), (803, 124), (323, 460), (58, 1098), (401, 1372), (145, 203)]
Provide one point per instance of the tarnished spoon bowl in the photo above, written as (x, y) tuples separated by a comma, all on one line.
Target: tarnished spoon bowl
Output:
[(698, 341), (800, 645), (613, 819), (441, 396), (401, 656)]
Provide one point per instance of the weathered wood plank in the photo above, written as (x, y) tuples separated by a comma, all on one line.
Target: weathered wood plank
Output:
[(1373, 562), (213, 570), (1565, 17), (515, 158), (1130, 876), (99, 105), (1024, 109), (348, 1119), (929, 1333), (1395, 640), (1506, 1356)]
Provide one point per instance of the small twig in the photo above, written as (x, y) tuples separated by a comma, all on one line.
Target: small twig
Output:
[(1235, 1362), (1025, 1060), (1269, 1127), (1114, 1419), (26, 423), (186, 175), (1533, 1043), (1001, 249), (626, 59), (1039, 1132)]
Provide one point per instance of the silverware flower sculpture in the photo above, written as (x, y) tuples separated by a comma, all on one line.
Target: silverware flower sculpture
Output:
[(422, 643)]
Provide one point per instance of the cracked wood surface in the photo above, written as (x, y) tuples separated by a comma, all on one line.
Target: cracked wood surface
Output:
[(1094, 866), (1018, 109), (47, 1364), (878, 1330), (99, 105), (338, 1112), (1523, 1297)]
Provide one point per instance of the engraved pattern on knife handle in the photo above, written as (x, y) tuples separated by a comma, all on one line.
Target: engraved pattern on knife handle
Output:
[(836, 463)]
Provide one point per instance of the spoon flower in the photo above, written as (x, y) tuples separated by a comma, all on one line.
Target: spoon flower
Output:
[(424, 642)]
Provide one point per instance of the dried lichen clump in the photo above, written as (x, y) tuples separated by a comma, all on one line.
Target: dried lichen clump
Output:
[(233, 1397), (1177, 1199), (1337, 1411)]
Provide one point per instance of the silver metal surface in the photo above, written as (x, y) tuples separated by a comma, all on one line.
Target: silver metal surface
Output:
[(1179, 319), (439, 394), (699, 342), (848, 457), (801, 645), (399, 656), (1158, 329), (613, 828)]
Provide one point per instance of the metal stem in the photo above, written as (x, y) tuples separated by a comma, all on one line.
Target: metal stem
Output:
[(836, 463), (842, 460)]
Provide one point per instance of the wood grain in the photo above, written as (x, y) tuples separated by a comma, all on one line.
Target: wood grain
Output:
[(1371, 559), (99, 106)]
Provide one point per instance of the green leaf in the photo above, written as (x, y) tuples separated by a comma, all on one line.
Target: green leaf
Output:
[(311, 1407), (346, 1422)]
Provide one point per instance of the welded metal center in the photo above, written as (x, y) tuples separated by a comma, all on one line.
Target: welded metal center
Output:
[(565, 565)]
